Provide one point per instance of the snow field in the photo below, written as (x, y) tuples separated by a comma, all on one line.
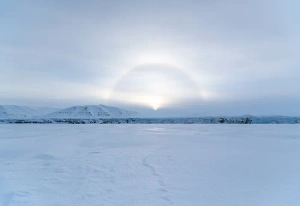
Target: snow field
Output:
[(149, 165)]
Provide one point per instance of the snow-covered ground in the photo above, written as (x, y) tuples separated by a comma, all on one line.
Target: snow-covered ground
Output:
[(149, 165)]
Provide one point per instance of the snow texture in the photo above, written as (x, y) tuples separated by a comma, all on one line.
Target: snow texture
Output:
[(207, 165)]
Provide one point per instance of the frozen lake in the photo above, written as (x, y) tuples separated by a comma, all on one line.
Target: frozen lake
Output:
[(180, 165)]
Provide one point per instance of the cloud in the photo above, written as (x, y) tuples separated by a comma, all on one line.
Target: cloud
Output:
[(238, 50)]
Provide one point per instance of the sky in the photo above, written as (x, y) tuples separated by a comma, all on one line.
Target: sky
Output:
[(159, 57)]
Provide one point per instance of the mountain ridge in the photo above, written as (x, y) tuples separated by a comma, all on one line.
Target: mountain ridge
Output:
[(86, 111), (15, 111), (92, 111)]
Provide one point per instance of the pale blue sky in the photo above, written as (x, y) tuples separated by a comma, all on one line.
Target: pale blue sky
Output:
[(183, 57)]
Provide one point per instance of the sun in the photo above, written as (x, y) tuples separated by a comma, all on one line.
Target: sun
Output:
[(155, 102), (155, 106)]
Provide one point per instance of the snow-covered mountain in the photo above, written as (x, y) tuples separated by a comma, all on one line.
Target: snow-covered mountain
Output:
[(46, 110), (140, 120), (92, 111), (16, 112)]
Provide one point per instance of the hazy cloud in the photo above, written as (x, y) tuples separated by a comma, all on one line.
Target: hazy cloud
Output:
[(238, 52)]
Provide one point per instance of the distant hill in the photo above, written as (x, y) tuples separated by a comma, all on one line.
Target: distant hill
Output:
[(92, 111), (139, 120), (102, 114), (16, 112)]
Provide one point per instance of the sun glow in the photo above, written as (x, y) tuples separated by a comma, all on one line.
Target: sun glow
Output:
[(156, 85), (155, 102), (152, 101)]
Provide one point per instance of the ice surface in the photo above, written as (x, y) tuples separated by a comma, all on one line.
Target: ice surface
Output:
[(149, 165)]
